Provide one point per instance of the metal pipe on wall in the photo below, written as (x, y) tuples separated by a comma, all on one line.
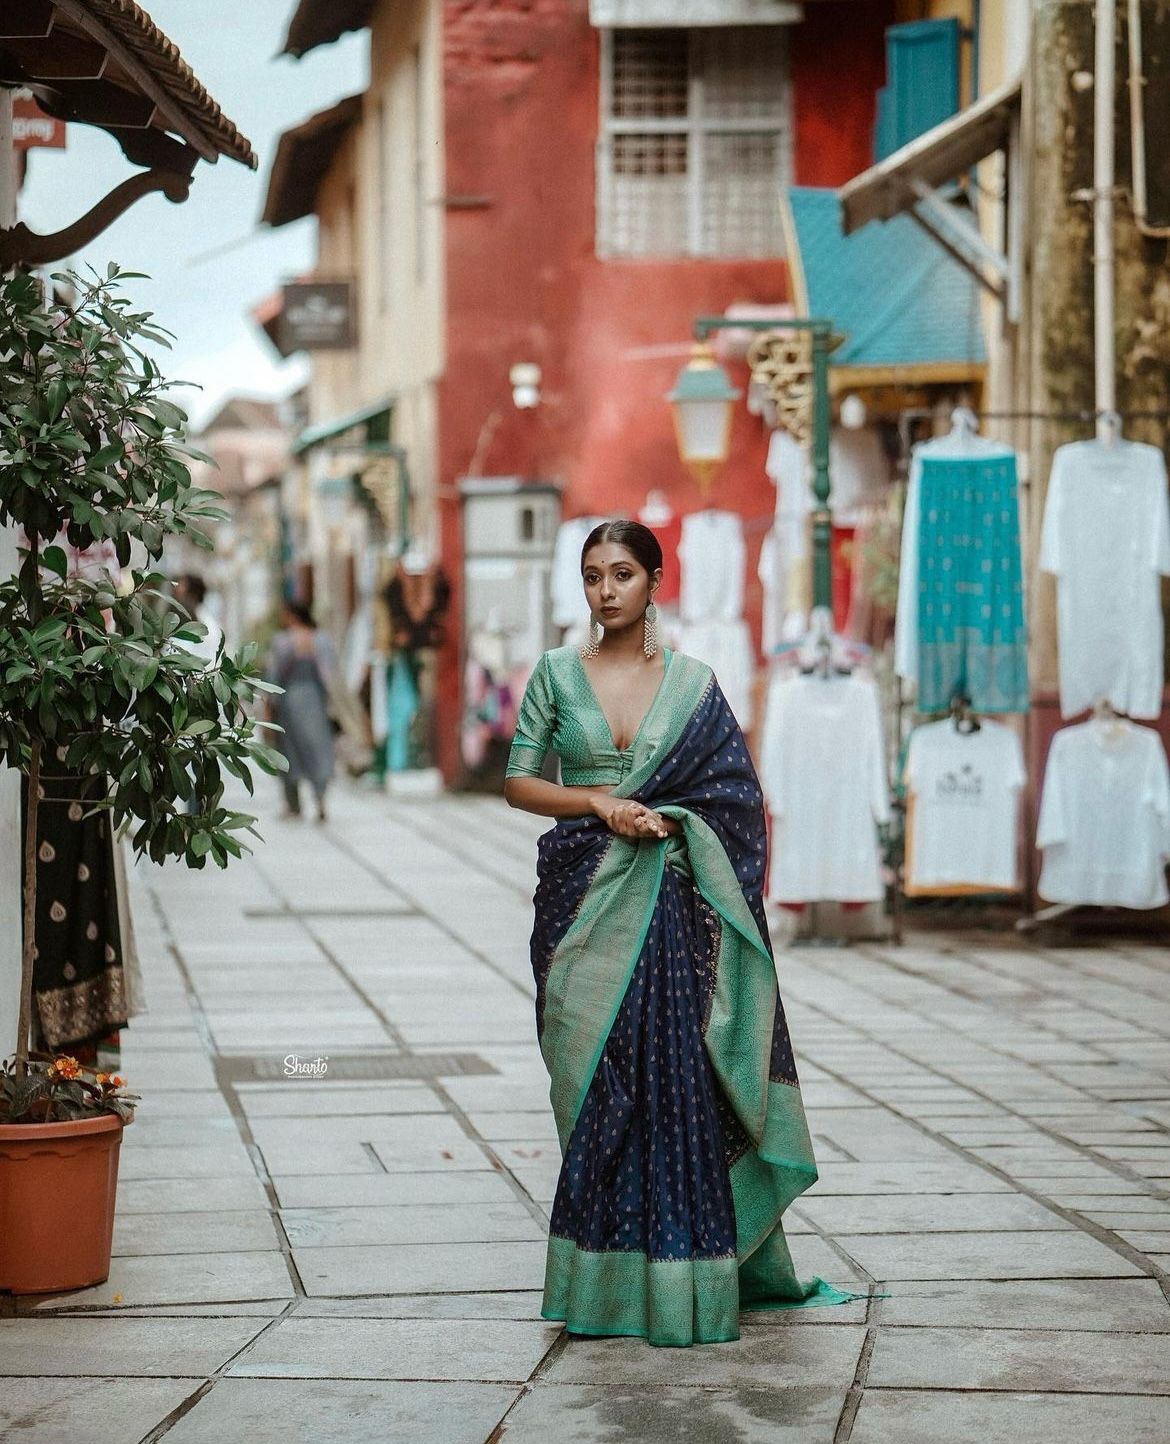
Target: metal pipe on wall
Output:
[(1105, 89)]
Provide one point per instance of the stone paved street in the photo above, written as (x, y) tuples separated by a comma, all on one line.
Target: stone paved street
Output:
[(358, 1258)]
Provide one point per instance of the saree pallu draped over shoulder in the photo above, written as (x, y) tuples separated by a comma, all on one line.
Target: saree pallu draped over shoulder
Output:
[(673, 1083)]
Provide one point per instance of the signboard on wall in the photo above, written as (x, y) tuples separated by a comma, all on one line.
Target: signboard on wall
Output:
[(317, 316), (31, 127)]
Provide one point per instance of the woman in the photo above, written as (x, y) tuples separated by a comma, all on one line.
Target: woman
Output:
[(301, 661), (673, 1083)]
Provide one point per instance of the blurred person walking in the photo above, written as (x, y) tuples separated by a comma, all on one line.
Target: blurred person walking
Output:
[(302, 661)]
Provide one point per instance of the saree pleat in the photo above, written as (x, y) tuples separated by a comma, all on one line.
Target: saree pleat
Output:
[(673, 1082)]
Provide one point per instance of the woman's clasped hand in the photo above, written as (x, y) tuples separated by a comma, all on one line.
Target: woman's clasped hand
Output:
[(631, 819)]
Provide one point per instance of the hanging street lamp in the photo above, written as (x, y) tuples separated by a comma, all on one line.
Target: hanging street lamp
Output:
[(702, 399), (703, 395)]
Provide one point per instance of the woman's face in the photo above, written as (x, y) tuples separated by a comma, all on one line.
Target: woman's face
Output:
[(617, 587)]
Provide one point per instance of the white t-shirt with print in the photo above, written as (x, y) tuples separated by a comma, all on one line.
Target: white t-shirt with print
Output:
[(966, 789)]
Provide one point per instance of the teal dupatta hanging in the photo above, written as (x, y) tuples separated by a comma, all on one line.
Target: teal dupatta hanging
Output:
[(673, 1083)]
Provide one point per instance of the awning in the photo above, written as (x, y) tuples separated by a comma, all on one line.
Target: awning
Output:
[(908, 312), (304, 154), (907, 183), (321, 22), (328, 430), (940, 155), (105, 63)]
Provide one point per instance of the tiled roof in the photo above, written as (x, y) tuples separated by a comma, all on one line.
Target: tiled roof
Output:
[(895, 294), (321, 22), (143, 85), (303, 155)]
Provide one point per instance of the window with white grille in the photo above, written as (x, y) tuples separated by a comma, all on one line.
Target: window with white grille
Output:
[(695, 141)]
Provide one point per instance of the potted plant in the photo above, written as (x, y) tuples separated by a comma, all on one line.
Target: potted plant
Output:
[(94, 673)]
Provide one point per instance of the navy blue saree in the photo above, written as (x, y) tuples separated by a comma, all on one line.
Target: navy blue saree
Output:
[(673, 1083)]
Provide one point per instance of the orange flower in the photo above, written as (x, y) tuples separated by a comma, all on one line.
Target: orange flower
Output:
[(116, 1082), (64, 1067), (102, 1078)]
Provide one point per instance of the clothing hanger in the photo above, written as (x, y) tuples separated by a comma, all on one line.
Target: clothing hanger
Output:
[(656, 509), (1109, 721), (964, 422), (964, 719), (821, 638)]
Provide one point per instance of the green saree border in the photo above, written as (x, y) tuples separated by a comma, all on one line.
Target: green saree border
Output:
[(672, 1302)]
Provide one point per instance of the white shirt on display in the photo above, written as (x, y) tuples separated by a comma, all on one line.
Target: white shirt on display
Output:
[(712, 558), (822, 768), (1104, 819), (569, 607), (966, 788), (1106, 536), (726, 647)]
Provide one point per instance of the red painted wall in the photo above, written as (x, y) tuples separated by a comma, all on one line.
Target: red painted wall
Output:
[(523, 283)]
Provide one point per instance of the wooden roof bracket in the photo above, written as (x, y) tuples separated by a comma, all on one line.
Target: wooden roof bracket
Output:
[(962, 239), (20, 246)]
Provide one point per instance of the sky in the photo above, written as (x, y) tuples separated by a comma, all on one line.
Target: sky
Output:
[(209, 259)]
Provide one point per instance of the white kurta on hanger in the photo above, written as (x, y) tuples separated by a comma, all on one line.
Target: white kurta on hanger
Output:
[(822, 769), (1104, 819), (966, 789), (1106, 536), (726, 647), (957, 444), (569, 607), (712, 556)]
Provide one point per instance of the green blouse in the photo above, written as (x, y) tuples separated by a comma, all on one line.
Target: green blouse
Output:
[(560, 710)]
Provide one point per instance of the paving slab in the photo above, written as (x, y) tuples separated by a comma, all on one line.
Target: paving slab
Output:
[(177, 1195), (1134, 1305), (375, 1190), (929, 1213), (121, 1346), (1023, 1255), (941, 1416), (46, 1410), (606, 1414), (410, 1268), (406, 1224), (768, 1358), (184, 1278), (330, 1411), (495, 1350), (1060, 1361), (500, 1304), (236, 1231)]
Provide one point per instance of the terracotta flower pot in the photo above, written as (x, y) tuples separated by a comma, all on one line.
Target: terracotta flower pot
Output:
[(58, 1183)]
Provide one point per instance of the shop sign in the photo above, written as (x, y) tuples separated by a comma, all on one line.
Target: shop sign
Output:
[(317, 316), (31, 127)]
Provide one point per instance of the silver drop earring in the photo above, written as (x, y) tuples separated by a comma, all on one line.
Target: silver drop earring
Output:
[(650, 629), (590, 648)]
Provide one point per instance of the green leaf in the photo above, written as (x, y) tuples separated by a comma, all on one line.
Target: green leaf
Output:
[(56, 396), (55, 560)]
